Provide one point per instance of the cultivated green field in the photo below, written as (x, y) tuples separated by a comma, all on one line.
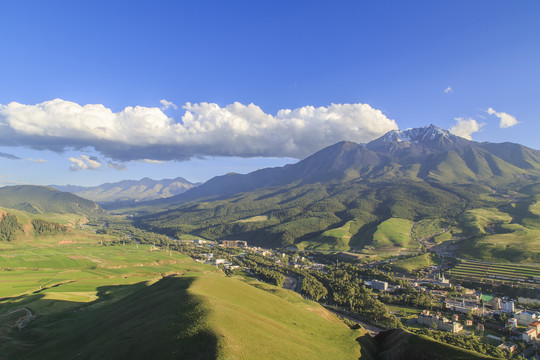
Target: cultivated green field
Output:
[(506, 273)]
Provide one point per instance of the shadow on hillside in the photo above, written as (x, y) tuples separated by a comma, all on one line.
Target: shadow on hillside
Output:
[(160, 321)]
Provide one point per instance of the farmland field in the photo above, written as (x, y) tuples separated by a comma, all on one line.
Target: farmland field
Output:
[(469, 270), (74, 266)]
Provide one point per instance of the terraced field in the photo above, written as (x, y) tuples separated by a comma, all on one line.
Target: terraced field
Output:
[(511, 273)]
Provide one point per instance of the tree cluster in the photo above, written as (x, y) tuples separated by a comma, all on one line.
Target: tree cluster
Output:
[(44, 228), (9, 227)]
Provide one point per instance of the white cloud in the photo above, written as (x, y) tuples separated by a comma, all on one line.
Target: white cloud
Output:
[(466, 127), (84, 162), (449, 90), (37, 160), (167, 104), (205, 129), (507, 120), (150, 161)]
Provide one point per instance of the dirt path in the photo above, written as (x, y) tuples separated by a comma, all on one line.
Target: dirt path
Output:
[(290, 283), (425, 240), (24, 320)]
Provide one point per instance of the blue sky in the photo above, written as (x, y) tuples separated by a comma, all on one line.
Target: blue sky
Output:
[(101, 91)]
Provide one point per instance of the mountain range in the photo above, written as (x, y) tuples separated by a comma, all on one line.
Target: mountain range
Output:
[(127, 192), (417, 174)]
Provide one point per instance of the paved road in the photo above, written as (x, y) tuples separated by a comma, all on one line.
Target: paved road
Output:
[(371, 329)]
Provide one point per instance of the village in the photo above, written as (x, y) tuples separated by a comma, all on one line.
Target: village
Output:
[(511, 325)]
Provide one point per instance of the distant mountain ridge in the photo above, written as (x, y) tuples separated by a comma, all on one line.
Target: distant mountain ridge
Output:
[(43, 199), (128, 191), (427, 153)]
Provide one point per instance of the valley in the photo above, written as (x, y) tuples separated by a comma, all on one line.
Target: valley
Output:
[(411, 227)]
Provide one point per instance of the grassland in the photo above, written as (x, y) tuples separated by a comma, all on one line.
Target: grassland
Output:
[(477, 221), (393, 232), (428, 228), (507, 234), (93, 299), (414, 263), (336, 239)]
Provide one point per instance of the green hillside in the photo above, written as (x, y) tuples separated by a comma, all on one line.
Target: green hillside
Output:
[(89, 300), (42, 199), (398, 194)]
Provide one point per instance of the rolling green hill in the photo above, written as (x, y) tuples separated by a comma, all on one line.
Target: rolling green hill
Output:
[(69, 296), (42, 199)]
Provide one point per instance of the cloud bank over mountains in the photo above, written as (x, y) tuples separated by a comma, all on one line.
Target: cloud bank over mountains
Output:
[(204, 129)]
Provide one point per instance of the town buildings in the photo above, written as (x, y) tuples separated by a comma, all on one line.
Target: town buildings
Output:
[(441, 323), (379, 285)]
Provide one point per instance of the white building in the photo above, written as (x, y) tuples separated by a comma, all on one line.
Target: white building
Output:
[(379, 285), (425, 318), (507, 306)]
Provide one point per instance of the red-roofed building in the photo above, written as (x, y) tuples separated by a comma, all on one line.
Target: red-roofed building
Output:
[(536, 326)]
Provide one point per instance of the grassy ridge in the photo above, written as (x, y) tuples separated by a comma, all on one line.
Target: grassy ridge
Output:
[(394, 232), (271, 323)]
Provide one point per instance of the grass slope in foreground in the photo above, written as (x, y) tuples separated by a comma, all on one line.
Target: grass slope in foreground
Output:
[(91, 301)]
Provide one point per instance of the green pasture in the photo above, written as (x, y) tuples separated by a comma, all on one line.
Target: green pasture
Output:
[(125, 293), (330, 240), (73, 266), (394, 232), (509, 234), (414, 263), (64, 219), (475, 222), (427, 228)]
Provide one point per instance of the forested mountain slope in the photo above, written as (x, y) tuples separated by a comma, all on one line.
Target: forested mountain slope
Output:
[(337, 198)]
